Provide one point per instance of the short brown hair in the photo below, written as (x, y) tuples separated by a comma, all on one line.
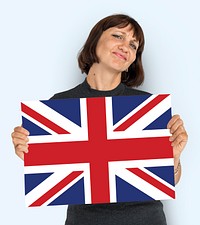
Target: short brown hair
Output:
[(87, 56)]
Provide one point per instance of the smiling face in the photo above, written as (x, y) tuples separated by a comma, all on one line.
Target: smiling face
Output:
[(117, 48)]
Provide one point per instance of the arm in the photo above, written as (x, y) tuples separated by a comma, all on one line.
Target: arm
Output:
[(178, 140), (20, 141)]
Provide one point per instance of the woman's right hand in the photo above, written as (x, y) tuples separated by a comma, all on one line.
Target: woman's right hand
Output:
[(20, 141)]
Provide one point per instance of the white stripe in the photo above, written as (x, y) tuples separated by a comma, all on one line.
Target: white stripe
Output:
[(109, 116), (54, 168), (81, 136), (139, 134), (84, 117), (141, 163)]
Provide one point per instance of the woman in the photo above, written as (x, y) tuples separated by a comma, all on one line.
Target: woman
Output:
[(112, 61)]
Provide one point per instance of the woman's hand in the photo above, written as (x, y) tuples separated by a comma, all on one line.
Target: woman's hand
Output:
[(20, 141), (179, 136), (178, 140)]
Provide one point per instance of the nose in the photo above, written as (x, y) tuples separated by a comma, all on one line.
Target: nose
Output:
[(124, 46)]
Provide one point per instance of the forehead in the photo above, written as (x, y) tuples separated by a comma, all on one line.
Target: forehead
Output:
[(128, 31)]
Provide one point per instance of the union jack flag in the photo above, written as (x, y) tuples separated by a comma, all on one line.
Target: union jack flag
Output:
[(98, 150)]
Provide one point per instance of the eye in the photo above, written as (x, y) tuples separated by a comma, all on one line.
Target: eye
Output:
[(133, 46), (117, 36)]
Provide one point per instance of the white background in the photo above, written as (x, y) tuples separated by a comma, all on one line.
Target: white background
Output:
[(39, 42)]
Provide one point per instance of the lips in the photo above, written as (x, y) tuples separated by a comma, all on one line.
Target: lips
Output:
[(120, 55)]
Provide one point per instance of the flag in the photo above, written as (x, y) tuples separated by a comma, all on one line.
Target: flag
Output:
[(98, 150)]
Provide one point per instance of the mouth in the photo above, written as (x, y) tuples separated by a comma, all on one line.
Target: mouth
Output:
[(119, 55)]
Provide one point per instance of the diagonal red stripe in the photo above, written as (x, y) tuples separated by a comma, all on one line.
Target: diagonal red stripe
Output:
[(59, 186), (140, 113), (153, 181), (48, 123)]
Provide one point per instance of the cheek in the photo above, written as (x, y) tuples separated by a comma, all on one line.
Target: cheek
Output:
[(132, 58), (103, 50), (100, 49)]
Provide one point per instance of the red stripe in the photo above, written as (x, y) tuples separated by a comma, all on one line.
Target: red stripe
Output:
[(84, 152), (59, 186), (141, 113), (153, 181), (48, 123), (99, 162)]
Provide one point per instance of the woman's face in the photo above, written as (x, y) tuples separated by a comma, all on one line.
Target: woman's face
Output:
[(117, 48)]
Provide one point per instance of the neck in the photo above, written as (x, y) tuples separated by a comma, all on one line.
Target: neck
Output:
[(103, 80)]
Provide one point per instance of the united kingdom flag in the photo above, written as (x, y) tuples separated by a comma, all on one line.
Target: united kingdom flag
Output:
[(98, 150)]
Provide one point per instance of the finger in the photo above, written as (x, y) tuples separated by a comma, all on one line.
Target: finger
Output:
[(179, 130), (21, 148), (20, 142), (180, 141), (174, 127), (172, 121), (17, 135), (22, 130)]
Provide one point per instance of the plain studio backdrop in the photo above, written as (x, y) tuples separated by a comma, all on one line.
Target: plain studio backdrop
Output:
[(39, 42)]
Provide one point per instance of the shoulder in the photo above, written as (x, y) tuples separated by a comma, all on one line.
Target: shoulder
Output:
[(134, 91), (71, 93)]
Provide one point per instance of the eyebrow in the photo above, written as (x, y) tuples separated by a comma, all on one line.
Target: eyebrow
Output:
[(134, 39)]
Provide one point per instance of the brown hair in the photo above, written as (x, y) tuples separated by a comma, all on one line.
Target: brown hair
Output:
[(87, 56)]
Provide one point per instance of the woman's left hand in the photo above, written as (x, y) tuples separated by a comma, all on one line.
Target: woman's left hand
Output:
[(179, 136)]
